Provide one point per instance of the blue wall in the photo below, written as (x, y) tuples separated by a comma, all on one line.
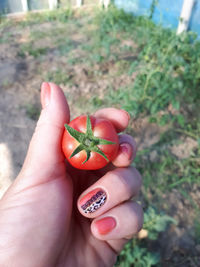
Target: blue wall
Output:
[(195, 20), (167, 12), (3, 6)]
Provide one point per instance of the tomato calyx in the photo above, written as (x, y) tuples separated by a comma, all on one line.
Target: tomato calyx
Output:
[(88, 141)]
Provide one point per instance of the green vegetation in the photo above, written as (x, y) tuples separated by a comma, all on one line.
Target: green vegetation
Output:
[(135, 252), (32, 111), (167, 65), (60, 15), (166, 91), (29, 50), (58, 76), (150, 72)]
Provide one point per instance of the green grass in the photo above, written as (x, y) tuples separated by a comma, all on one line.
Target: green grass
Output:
[(58, 76), (167, 64), (165, 90), (59, 15), (29, 50), (5, 38), (168, 172), (32, 111), (167, 68)]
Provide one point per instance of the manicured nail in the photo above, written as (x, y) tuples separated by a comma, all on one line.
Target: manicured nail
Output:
[(93, 200), (126, 149), (45, 94), (105, 225)]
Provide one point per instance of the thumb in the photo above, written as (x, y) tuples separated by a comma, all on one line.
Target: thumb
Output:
[(45, 152)]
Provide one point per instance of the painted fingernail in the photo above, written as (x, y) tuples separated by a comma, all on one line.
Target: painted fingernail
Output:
[(126, 149), (93, 200), (45, 94), (105, 225)]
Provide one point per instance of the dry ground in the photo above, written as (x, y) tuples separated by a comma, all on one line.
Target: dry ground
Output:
[(21, 74)]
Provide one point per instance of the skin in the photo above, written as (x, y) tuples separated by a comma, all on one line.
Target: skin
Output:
[(41, 221)]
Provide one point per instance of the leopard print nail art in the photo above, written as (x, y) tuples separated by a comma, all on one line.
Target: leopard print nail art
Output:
[(95, 202)]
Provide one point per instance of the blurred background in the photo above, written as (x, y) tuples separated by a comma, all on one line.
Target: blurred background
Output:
[(130, 56)]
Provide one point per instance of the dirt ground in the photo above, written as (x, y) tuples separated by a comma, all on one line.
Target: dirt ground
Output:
[(20, 80)]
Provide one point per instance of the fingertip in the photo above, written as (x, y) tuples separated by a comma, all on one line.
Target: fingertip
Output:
[(110, 225), (127, 151), (53, 97), (118, 117), (103, 226), (126, 112)]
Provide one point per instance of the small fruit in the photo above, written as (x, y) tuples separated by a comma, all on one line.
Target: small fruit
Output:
[(90, 143)]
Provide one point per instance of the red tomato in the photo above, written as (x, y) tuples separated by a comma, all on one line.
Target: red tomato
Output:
[(90, 143)]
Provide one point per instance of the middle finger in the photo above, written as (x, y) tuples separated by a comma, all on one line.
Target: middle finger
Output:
[(109, 191)]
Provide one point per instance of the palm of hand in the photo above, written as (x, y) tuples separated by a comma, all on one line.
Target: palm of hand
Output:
[(64, 233), (40, 224)]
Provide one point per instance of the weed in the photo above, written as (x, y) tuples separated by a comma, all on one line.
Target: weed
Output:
[(37, 35), (166, 68), (97, 102), (29, 50), (66, 46), (155, 222), (74, 59), (59, 15), (136, 253), (32, 111), (52, 32), (137, 256), (167, 172), (166, 65), (4, 21), (58, 76), (5, 37)]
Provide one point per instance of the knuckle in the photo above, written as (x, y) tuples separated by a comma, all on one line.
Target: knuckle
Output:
[(125, 184), (139, 177), (135, 180), (138, 214), (129, 180), (127, 138), (135, 213)]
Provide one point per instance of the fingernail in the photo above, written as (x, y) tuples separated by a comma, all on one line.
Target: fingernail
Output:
[(105, 225), (126, 149), (45, 94), (93, 200), (126, 112)]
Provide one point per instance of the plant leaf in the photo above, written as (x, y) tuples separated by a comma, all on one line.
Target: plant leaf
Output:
[(77, 150), (74, 133), (88, 156), (97, 150), (105, 142), (89, 126)]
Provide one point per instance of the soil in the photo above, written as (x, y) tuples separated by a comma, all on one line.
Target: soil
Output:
[(20, 80)]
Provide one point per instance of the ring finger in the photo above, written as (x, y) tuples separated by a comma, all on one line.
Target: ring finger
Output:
[(120, 222)]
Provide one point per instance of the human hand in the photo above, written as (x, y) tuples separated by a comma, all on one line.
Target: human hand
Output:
[(45, 216)]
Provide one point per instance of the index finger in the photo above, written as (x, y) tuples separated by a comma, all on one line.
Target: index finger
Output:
[(118, 117)]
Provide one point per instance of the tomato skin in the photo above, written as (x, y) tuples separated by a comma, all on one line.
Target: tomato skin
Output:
[(103, 129)]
